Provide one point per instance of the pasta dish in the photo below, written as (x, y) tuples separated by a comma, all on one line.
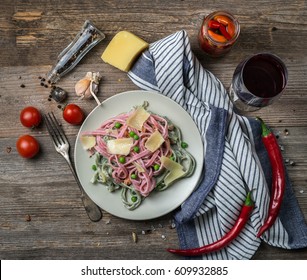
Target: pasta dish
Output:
[(138, 152)]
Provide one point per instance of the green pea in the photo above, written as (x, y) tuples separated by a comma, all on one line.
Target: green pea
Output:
[(156, 167), (122, 159), (133, 176), (184, 145), (131, 133), (136, 149), (94, 167), (136, 137), (134, 198), (118, 125)]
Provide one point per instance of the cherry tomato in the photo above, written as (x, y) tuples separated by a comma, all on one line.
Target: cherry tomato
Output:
[(73, 114), (27, 146), (30, 117)]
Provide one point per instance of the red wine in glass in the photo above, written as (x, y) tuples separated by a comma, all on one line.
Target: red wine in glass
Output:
[(258, 81)]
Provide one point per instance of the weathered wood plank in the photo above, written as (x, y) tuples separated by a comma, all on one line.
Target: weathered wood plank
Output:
[(42, 216)]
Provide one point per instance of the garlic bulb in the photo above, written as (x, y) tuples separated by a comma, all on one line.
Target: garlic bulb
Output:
[(88, 86)]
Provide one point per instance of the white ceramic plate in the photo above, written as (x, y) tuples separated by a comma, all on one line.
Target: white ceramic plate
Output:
[(157, 203)]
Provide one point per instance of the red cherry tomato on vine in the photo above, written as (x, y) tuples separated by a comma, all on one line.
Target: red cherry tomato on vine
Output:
[(73, 114), (27, 146), (30, 117)]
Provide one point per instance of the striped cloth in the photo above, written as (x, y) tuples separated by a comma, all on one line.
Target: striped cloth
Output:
[(235, 158)]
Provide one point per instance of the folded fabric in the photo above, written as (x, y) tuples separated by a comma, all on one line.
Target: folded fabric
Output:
[(235, 158)]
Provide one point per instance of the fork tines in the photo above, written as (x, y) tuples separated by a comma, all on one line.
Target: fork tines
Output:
[(56, 132)]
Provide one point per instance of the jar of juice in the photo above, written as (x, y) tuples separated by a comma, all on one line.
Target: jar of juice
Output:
[(218, 33)]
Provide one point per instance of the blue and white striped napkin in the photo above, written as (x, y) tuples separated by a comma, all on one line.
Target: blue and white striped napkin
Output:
[(235, 158)]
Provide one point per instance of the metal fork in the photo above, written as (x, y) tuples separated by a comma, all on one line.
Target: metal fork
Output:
[(61, 145)]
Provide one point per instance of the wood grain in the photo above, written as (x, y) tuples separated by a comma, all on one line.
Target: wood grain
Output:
[(42, 216)]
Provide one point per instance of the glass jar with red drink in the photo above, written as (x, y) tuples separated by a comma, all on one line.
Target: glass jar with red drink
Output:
[(218, 33)]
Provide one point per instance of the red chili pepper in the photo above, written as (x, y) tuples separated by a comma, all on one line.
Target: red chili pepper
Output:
[(213, 24), (278, 176), (224, 32), (226, 239)]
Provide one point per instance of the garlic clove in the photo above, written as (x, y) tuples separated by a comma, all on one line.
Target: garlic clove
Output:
[(82, 86), (87, 93)]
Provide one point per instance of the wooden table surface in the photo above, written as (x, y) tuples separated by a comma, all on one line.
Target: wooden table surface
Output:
[(42, 216)]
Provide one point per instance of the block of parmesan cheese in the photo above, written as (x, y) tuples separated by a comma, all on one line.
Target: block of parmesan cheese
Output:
[(123, 50)]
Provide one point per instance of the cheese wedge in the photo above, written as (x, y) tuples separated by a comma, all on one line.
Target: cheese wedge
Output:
[(154, 141), (137, 118), (123, 50), (175, 170), (120, 146)]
